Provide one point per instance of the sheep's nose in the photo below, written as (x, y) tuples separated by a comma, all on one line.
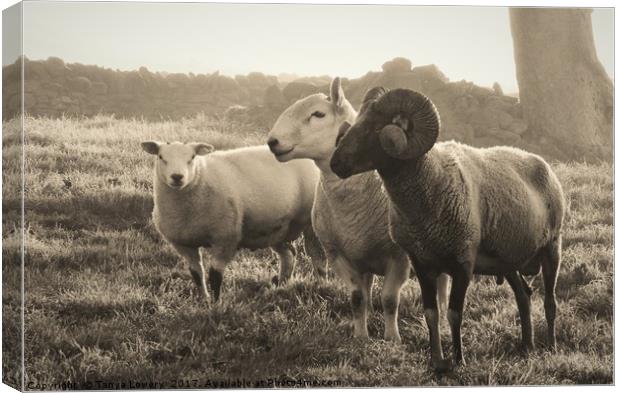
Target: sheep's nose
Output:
[(176, 178), (273, 143)]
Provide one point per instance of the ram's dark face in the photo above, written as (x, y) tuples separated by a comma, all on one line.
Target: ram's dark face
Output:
[(358, 148), (393, 127)]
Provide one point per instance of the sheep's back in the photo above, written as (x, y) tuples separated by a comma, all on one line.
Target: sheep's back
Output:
[(518, 197), (268, 194)]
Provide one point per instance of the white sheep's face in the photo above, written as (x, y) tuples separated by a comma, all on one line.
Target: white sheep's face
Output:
[(176, 161), (309, 127)]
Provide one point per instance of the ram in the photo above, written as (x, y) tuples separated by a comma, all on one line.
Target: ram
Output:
[(350, 217), (457, 209), (227, 200)]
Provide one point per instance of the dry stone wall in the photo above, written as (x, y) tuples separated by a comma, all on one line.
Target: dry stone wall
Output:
[(53, 88), (471, 114)]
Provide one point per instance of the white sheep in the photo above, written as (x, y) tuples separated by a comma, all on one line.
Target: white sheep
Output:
[(350, 217), (458, 209), (226, 200)]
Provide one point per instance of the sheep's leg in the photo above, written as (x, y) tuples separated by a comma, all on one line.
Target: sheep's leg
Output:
[(395, 277), (355, 282), (313, 248), (368, 279), (443, 291), (550, 269), (192, 255), (428, 285), (360, 309), (220, 258), (287, 262), (523, 302), (461, 277)]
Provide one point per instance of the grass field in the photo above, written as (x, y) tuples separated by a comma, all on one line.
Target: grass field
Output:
[(103, 302)]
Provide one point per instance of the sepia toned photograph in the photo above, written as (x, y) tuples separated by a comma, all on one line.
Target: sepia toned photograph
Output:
[(255, 196)]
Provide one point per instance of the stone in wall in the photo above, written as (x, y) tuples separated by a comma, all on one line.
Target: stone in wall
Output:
[(80, 84), (398, 64), (296, 90), (274, 98)]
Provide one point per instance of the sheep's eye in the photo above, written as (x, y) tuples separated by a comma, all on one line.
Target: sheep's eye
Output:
[(318, 114), (160, 157)]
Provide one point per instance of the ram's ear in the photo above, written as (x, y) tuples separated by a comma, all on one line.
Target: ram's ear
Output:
[(344, 127), (336, 94), (151, 147), (202, 149), (393, 140)]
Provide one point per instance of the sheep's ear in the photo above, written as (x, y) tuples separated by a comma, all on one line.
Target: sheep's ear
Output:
[(151, 147), (393, 140), (202, 149), (336, 94)]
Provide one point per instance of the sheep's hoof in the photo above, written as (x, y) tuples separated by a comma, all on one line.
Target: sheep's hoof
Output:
[(199, 295), (393, 339), (460, 362), (550, 345), (361, 334), (275, 280), (526, 348), (180, 275), (320, 274), (441, 365)]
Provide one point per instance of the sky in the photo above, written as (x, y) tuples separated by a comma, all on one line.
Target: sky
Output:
[(471, 43)]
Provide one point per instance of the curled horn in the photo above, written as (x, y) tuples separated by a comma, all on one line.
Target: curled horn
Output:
[(414, 123), (370, 96)]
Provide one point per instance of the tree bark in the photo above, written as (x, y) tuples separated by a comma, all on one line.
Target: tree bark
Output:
[(566, 95)]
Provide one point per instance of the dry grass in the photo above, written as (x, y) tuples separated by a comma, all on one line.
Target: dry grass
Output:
[(102, 303)]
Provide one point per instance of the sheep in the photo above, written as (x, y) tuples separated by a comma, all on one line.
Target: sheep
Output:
[(349, 216), (459, 210), (227, 200)]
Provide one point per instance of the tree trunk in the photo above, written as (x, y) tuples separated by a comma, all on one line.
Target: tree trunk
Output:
[(566, 95)]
